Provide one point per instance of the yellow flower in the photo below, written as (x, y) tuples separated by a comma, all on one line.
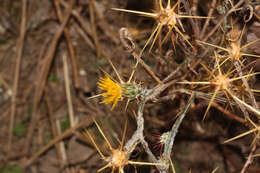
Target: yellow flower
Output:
[(113, 90)]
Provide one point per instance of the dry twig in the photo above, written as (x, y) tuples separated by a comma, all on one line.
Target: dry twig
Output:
[(222, 19), (20, 46), (44, 74), (68, 92), (69, 43)]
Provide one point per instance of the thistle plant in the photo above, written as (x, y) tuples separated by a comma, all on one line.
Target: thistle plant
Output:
[(222, 82), (224, 79), (115, 91), (235, 53), (119, 157), (165, 17), (234, 48)]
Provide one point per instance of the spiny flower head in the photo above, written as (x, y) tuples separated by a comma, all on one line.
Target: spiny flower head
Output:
[(113, 90), (235, 49), (165, 16), (235, 44), (222, 82), (119, 157)]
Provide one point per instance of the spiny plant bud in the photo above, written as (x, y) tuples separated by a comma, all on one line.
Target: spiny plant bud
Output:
[(164, 137), (115, 91), (119, 158), (234, 35), (132, 90)]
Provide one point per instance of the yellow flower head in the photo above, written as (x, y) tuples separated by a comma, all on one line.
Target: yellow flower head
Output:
[(113, 90)]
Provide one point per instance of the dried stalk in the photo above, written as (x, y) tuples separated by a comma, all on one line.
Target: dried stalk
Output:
[(20, 46)]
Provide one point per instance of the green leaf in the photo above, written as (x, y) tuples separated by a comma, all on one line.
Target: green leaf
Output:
[(65, 124), (54, 79), (19, 129), (12, 169)]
